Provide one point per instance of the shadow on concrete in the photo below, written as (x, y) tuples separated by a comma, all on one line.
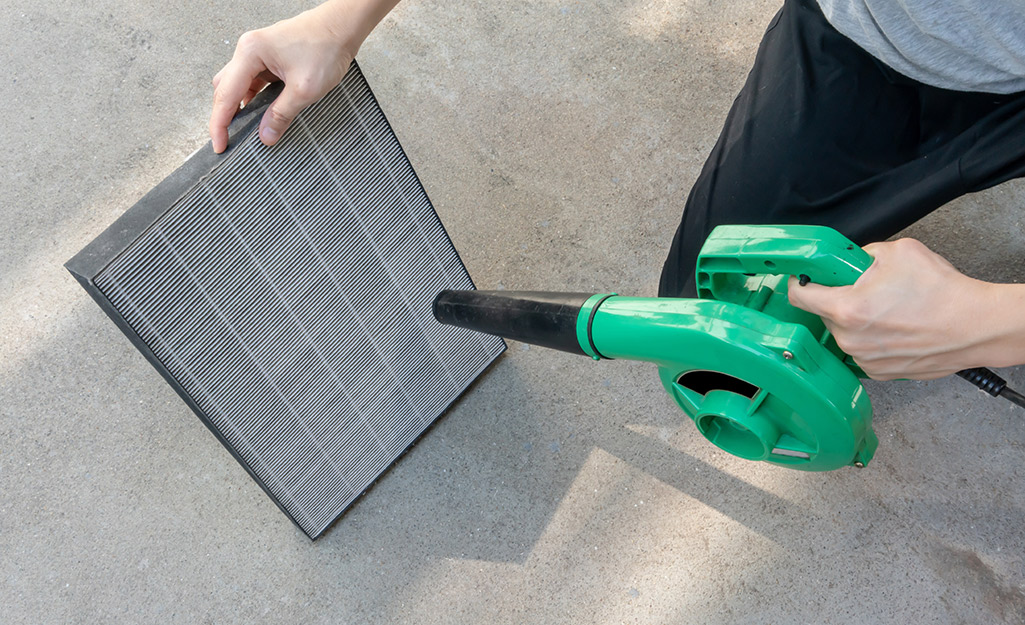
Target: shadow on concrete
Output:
[(557, 141)]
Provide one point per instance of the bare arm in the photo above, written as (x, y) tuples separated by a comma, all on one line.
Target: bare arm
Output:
[(913, 315), (309, 52)]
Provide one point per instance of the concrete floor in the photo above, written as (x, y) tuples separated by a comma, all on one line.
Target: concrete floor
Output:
[(557, 141)]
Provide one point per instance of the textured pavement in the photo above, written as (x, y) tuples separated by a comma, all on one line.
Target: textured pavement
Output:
[(557, 141)]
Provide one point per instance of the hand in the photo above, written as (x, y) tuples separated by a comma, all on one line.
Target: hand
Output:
[(913, 315), (310, 52)]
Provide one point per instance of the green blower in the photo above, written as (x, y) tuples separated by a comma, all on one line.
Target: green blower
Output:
[(761, 379)]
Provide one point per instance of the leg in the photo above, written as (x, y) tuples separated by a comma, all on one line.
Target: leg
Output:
[(822, 133)]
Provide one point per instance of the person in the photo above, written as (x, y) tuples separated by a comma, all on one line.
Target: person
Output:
[(863, 115)]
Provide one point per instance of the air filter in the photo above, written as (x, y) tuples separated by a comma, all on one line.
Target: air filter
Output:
[(285, 293)]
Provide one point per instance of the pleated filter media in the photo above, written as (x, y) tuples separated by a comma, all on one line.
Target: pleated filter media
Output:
[(286, 294)]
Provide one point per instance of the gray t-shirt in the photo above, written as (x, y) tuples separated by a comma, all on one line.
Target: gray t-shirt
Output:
[(964, 45)]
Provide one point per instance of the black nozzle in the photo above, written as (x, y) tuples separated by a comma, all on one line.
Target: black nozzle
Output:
[(545, 319)]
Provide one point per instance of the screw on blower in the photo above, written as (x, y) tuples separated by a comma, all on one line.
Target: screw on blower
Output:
[(761, 379)]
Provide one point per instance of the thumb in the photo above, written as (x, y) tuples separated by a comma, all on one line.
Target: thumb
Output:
[(814, 298), (279, 115)]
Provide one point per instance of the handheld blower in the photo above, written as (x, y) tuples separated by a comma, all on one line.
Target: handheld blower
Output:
[(761, 379)]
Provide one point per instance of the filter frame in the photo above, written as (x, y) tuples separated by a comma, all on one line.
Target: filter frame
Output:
[(132, 226)]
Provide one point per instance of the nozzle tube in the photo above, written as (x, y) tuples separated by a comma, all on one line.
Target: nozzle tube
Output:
[(544, 319)]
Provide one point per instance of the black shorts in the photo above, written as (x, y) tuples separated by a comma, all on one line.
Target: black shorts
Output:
[(823, 133)]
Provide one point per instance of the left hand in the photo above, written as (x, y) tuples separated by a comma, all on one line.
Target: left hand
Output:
[(310, 52), (910, 315)]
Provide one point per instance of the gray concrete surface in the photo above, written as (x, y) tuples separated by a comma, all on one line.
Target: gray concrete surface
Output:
[(557, 140)]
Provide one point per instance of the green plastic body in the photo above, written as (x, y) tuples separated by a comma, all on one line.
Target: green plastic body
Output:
[(761, 379)]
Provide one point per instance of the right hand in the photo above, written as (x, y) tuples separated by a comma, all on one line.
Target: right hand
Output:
[(309, 52), (913, 315)]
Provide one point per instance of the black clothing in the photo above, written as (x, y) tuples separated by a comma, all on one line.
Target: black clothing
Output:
[(823, 133)]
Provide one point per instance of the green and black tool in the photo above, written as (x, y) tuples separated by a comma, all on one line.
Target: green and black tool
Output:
[(760, 378)]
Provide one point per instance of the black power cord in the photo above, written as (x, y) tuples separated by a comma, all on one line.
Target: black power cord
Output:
[(992, 384)]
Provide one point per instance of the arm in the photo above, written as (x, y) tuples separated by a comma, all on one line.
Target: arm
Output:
[(913, 315), (310, 52)]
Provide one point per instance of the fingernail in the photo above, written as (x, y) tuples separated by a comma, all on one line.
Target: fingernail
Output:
[(268, 135)]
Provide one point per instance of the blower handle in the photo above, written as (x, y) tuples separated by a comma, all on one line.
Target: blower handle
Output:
[(818, 254), (732, 254)]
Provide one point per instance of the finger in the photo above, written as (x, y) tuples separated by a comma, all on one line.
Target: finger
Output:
[(814, 298), (888, 374), (903, 368), (262, 79), (268, 76), (235, 80), (874, 249), (280, 114), (255, 88)]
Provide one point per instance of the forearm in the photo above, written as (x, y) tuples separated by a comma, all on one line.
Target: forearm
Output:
[(1001, 315), (352, 21)]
